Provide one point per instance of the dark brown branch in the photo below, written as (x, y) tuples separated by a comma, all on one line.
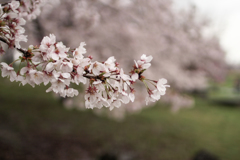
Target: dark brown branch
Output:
[(25, 53), (5, 2), (94, 77)]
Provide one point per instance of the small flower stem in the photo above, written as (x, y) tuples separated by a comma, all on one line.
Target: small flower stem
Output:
[(19, 66), (19, 49), (145, 84), (14, 62)]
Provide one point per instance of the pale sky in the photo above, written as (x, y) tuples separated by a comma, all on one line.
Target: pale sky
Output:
[(226, 19)]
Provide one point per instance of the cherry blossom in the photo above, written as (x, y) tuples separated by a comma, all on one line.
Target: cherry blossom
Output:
[(161, 85), (11, 24), (8, 71)]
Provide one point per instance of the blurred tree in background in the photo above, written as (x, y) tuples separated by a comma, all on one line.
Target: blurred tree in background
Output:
[(128, 29)]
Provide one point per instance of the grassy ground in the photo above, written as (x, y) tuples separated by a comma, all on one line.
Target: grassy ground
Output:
[(34, 126), (226, 93)]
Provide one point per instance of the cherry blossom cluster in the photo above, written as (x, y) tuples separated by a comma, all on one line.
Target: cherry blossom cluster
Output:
[(160, 85), (11, 30), (12, 19), (52, 63), (30, 9), (55, 64)]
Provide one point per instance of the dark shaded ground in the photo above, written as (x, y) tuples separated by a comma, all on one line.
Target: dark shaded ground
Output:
[(34, 126), (41, 146)]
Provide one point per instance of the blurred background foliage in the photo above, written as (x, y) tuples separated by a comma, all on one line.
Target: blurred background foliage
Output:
[(126, 29), (39, 125)]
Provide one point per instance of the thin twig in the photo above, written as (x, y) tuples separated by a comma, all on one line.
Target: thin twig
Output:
[(4, 3), (25, 53)]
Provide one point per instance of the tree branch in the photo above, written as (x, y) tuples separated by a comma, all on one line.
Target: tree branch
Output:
[(5, 2), (24, 52)]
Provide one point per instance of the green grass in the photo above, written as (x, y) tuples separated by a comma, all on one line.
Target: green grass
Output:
[(34, 125), (225, 92)]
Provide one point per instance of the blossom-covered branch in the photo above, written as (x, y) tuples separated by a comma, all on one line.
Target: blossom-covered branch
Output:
[(53, 63)]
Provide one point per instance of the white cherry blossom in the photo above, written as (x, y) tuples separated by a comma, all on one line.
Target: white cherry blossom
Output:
[(78, 53), (161, 85), (8, 71), (97, 68), (146, 59), (66, 66), (36, 76), (14, 6), (135, 77), (47, 44)]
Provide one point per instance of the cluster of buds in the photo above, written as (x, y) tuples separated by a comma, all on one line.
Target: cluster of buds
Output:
[(53, 63)]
